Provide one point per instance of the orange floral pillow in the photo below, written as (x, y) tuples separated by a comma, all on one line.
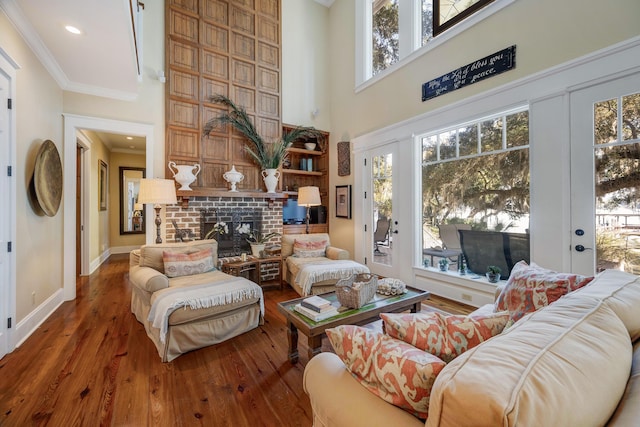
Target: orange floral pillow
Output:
[(445, 336), (531, 287), (179, 264), (393, 370), (307, 249)]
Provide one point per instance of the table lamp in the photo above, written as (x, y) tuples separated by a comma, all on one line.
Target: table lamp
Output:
[(159, 192), (307, 197)]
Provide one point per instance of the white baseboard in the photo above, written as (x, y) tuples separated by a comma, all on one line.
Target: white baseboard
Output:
[(98, 261), (123, 249), (29, 324)]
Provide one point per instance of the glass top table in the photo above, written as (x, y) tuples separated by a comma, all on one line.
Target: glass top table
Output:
[(368, 313)]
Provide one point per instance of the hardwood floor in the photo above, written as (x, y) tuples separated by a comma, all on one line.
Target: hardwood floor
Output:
[(92, 364)]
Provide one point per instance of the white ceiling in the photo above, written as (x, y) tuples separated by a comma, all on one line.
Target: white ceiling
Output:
[(100, 61)]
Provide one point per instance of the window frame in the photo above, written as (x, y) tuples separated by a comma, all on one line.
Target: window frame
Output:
[(409, 23)]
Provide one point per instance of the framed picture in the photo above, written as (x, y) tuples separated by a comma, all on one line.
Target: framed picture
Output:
[(343, 201), (447, 13), (102, 185)]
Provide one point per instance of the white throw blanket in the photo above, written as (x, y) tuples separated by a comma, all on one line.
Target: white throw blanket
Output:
[(207, 295), (317, 271)]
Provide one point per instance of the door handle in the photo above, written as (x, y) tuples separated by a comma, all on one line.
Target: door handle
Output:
[(581, 248)]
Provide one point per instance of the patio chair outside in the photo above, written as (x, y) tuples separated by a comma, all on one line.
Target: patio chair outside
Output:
[(381, 234)]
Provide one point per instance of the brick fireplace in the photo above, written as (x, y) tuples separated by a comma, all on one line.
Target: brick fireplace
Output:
[(267, 214)]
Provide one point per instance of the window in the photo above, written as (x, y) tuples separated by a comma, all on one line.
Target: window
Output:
[(388, 32), (477, 174), (385, 34)]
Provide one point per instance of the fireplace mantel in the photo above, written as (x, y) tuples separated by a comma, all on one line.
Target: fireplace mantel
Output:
[(184, 195)]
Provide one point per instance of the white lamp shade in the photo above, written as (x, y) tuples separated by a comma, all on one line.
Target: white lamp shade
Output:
[(138, 207), (157, 191), (309, 196)]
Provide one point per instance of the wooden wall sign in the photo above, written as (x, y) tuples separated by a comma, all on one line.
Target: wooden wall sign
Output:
[(479, 70)]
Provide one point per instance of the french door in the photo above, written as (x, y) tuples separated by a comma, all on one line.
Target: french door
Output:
[(605, 176), (381, 211)]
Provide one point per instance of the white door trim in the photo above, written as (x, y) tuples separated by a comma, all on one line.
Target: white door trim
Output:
[(8, 285), (72, 125)]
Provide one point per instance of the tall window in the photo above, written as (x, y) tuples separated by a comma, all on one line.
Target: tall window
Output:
[(385, 34), (476, 174)]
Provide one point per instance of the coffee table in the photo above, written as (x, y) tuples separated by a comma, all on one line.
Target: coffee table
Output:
[(346, 316)]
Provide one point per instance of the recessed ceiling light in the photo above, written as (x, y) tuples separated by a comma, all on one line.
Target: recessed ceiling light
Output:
[(129, 137), (132, 146), (72, 29)]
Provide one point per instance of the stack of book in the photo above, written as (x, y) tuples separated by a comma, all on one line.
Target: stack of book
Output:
[(316, 308)]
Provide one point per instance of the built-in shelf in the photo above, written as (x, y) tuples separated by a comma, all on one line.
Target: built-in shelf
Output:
[(305, 151), (184, 196), (301, 172)]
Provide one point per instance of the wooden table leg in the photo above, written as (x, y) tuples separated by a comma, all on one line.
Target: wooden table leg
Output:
[(315, 346), (292, 335), (416, 308)]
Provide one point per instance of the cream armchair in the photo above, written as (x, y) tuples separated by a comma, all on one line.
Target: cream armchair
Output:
[(322, 271), (188, 312)]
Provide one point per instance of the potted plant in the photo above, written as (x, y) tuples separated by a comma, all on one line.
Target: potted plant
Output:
[(443, 264), (493, 273), (257, 239), (269, 155)]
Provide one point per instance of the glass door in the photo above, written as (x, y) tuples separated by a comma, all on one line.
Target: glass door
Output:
[(382, 214), (605, 177)]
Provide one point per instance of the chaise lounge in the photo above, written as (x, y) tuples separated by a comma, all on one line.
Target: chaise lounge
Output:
[(184, 302)]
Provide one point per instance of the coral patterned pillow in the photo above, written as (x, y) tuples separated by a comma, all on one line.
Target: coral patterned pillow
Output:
[(393, 370), (178, 264), (445, 336), (531, 287), (305, 249)]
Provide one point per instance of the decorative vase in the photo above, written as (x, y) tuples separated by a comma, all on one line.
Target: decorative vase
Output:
[(184, 175), (270, 177), (256, 249), (233, 177)]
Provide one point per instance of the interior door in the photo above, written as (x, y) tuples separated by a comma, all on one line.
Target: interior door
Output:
[(5, 215), (605, 176), (381, 210)]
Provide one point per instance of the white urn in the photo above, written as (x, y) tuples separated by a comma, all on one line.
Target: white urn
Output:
[(270, 177), (233, 177), (184, 174)]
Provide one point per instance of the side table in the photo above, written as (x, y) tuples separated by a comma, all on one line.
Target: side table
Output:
[(252, 270)]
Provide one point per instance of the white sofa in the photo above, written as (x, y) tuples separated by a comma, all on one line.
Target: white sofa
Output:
[(575, 363), (292, 265), (221, 308)]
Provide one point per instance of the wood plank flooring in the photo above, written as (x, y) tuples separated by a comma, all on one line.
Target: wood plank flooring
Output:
[(91, 364)]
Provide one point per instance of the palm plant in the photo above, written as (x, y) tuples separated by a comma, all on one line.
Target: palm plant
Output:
[(268, 155)]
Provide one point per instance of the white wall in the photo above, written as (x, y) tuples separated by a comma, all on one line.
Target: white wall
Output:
[(305, 64), (38, 106)]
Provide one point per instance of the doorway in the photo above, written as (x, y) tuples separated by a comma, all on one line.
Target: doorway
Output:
[(8, 208), (73, 127), (386, 249), (605, 183)]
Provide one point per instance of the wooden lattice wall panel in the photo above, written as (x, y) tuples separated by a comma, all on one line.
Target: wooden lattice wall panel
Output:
[(223, 47)]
